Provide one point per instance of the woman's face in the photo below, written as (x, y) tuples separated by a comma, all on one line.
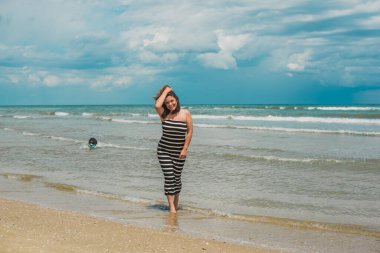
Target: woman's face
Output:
[(171, 103)]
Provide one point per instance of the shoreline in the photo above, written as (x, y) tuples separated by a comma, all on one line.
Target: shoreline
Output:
[(31, 228), (269, 235)]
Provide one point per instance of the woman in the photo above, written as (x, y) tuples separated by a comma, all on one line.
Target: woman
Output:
[(177, 130)]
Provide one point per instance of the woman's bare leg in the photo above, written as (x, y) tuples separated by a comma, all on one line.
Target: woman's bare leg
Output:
[(176, 200), (171, 203)]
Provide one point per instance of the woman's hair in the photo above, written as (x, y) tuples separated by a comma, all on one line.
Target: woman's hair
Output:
[(166, 110)]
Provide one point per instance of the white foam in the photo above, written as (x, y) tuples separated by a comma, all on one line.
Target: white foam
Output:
[(295, 130), (152, 115), (271, 118), (295, 160), (8, 129), (114, 196), (21, 117), (29, 134), (61, 114), (86, 114), (110, 145), (105, 118), (58, 138), (210, 117), (133, 121), (285, 159), (343, 108)]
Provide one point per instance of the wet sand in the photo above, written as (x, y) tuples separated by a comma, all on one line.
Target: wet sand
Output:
[(30, 228)]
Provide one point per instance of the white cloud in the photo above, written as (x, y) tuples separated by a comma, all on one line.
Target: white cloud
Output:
[(231, 43), (228, 45), (102, 82), (104, 45), (14, 79), (101, 79), (33, 78), (51, 80), (371, 23), (106, 82), (218, 60), (146, 56), (43, 22), (298, 62), (159, 37), (295, 67), (123, 81), (338, 9)]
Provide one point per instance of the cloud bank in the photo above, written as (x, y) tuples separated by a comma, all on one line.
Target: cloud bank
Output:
[(116, 44)]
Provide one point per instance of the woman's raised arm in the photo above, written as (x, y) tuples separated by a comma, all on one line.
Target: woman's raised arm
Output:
[(160, 99)]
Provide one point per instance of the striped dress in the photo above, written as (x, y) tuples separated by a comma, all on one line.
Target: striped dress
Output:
[(168, 152)]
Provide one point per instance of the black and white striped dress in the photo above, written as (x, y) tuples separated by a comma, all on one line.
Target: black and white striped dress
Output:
[(168, 152)]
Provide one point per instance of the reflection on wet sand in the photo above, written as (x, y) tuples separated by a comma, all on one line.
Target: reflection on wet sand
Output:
[(171, 224)]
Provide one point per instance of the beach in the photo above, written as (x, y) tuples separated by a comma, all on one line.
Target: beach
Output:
[(291, 178), (30, 228)]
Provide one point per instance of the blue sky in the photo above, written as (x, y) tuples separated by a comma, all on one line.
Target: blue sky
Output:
[(250, 52)]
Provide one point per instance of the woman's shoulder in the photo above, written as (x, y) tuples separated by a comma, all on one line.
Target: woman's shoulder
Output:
[(185, 111)]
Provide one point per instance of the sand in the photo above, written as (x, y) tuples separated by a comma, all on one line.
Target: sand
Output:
[(30, 228)]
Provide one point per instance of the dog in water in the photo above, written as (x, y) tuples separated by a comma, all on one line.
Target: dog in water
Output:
[(92, 143)]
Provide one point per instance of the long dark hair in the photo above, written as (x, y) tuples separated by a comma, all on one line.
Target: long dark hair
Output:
[(166, 110)]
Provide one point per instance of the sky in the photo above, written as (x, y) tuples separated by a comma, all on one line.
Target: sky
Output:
[(211, 52)]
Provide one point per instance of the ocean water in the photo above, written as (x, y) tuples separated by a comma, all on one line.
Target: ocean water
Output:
[(298, 178)]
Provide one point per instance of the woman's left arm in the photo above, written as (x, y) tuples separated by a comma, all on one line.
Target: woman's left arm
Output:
[(189, 135)]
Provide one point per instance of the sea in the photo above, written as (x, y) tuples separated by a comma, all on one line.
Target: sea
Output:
[(296, 178)]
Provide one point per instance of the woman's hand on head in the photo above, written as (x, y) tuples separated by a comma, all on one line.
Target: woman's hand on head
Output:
[(168, 89)]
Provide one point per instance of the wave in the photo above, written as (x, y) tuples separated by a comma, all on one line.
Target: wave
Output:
[(61, 114), (291, 130), (293, 223), (99, 145), (20, 177), (104, 118), (271, 118), (322, 108), (115, 196), (125, 114), (133, 121), (109, 145), (62, 187), (284, 159), (21, 117), (87, 114), (277, 129), (58, 138), (30, 134), (71, 188), (278, 221), (344, 108)]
